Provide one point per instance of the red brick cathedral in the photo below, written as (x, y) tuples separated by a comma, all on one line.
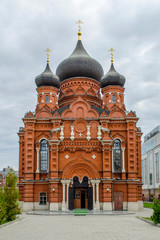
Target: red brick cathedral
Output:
[(80, 148)]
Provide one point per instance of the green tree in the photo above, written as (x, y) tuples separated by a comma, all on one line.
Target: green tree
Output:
[(11, 196), (2, 207)]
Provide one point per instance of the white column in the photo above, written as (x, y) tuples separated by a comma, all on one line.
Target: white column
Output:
[(99, 136), (37, 149), (93, 185), (68, 182), (123, 167), (72, 133), (97, 194), (62, 133), (63, 199), (88, 132), (112, 159)]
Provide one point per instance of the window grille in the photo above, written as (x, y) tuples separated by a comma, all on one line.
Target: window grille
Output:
[(43, 149), (117, 155), (113, 98), (43, 198), (47, 99)]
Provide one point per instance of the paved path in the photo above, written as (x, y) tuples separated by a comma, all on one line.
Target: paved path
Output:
[(107, 227)]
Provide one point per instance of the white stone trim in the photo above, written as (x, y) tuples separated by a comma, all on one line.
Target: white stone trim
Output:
[(27, 206), (72, 133), (62, 133), (107, 206), (135, 206), (112, 159), (88, 133), (123, 160), (43, 138), (38, 150), (54, 206), (99, 136)]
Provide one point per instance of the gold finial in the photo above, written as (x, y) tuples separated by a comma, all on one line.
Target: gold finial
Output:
[(79, 29), (47, 50), (111, 50)]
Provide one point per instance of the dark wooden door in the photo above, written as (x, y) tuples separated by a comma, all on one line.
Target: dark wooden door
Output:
[(90, 198), (77, 198), (118, 201), (71, 198), (83, 199)]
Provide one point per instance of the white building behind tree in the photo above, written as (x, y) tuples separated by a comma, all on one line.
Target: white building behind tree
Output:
[(151, 164)]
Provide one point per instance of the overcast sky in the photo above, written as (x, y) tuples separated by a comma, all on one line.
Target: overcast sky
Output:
[(28, 27)]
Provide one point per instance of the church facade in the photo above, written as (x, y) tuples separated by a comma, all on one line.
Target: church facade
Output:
[(80, 148)]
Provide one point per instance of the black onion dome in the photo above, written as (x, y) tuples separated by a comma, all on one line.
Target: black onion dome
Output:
[(79, 64), (47, 78), (112, 77)]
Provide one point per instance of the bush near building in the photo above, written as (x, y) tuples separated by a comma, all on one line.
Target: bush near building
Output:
[(156, 210), (9, 206)]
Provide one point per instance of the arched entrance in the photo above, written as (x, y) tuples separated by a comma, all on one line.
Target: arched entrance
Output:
[(80, 194)]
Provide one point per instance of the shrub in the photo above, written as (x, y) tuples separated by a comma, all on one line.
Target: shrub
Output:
[(156, 211), (11, 195)]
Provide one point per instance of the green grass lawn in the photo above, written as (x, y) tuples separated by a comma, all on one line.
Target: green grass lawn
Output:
[(148, 204)]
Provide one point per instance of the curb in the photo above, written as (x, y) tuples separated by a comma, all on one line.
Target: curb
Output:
[(14, 221), (72, 214), (150, 222)]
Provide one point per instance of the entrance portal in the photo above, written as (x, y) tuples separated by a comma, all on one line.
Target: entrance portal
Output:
[(81, 198), (80, 195)]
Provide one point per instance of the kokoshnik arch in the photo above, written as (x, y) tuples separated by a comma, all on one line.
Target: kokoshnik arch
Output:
[(80, 148)]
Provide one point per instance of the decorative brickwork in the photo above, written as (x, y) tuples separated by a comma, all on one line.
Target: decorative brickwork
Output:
[(80, 126)]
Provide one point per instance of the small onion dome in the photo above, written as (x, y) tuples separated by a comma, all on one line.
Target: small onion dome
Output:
[(79, 64), (112, 78), (47, 78)]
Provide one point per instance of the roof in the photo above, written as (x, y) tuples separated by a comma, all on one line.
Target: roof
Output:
[(100, 110), (79, 64)]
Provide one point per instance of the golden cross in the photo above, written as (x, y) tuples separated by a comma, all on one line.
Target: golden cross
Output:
[(111, 50), (47, 50), (79, 30), (79, 25)]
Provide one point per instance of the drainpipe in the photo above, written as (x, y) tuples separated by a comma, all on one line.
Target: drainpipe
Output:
[(49, 170), (49, 197), (111, 166)]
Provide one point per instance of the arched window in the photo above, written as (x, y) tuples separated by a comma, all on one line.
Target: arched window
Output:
[(43, 198), (117, 155), (85, 179), (75, 179), (47, 99), (43, 149), (113, 98)]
